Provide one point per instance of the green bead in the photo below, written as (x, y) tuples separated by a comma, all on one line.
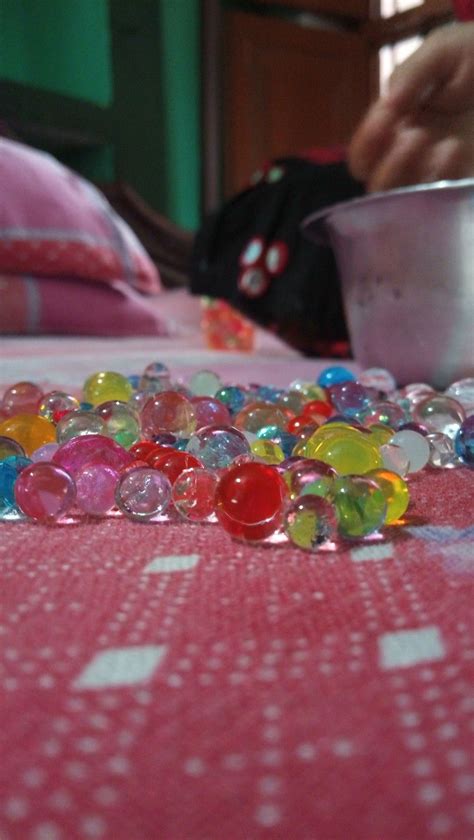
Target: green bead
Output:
[(395, 490), (310, 522), (360, 505)]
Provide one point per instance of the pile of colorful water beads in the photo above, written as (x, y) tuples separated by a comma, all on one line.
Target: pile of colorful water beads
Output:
[(317, 462)]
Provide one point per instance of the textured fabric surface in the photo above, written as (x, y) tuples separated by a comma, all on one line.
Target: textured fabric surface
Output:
[(54, 223), (63, 306), (163, 681)]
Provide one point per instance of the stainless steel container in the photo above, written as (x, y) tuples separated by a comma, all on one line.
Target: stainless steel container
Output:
[(406, 260)]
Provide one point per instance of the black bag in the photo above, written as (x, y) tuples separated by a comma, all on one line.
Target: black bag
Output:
[(253, 254)]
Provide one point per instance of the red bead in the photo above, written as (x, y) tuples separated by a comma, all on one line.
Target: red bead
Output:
[(317, 407), (249, 500), (301, 421), (173, 462), (143, 448)]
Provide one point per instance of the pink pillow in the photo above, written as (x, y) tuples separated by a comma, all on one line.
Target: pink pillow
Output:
[(54, 305), (54, 223)]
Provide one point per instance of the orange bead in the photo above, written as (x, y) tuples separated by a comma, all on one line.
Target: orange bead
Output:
[(29, 430)]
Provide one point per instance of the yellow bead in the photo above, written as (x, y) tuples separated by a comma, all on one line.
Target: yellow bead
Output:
[(267, 451), (395, 490), (105, 386), (348, 454), (29, 430), (381, 434)]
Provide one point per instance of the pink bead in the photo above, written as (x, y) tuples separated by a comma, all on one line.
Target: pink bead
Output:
[(82, 451), (96, 486), (45, 492), (194, 494), (21, 398), (168, 411), (210, 412)]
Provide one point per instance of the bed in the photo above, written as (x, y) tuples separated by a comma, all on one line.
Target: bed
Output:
[(164, 681)]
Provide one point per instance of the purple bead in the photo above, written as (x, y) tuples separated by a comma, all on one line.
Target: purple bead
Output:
[(96, 486), (143, 493), (45, 452)]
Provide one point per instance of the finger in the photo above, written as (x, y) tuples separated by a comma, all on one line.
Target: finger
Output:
[(402, 163), (371, 140), (446, 161), (426, 74)]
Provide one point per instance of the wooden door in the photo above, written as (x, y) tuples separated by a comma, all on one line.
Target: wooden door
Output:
[(287, 87)]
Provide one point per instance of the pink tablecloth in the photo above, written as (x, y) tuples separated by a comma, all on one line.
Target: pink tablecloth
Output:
[(162, 682)]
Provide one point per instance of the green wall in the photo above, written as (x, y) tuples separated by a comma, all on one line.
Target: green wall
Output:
[(58, 45), (65, 47), (180, 69)]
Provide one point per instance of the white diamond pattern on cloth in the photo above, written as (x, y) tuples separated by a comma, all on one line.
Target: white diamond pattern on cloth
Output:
[(121, 666)]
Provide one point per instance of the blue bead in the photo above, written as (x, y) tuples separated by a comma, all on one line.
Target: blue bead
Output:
[(233, 397), (10, 468), (464, 441), (269, 394), (334, 376), (134, 380), (285, 440)]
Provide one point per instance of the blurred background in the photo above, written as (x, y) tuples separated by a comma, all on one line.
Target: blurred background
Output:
[(182, 100)]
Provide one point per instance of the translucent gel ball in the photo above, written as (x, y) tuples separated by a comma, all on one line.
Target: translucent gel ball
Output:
[(394, 458), (334, 375), (217, 446), (121, 420), (442, 454), (45, 453), (156, 377), (143, 493), (205, 383), (21, 398), (233, 397), (349, 398), (395, 490), (95, 485), (45, 492), (210, 412), (107, 385), (258, 414), (168, 411), (29, 430), (348, 453), (464, 441), (267, 451), (79, 423), (9, 447), (360, 506), (310, 521), (10, 469), (463, 392), (439, 413), (309, 477), (249, 501), (416, 447), (194, 494), (81, 452), (55, 404), (379, 379), (384, 414)]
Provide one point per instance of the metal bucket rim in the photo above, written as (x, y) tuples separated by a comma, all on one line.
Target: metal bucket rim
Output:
[(313, 225)]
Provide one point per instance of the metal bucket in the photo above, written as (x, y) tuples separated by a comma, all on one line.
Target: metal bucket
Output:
[(406, 261)]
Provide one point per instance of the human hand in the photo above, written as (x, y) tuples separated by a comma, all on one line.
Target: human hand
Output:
[(422, 130)]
